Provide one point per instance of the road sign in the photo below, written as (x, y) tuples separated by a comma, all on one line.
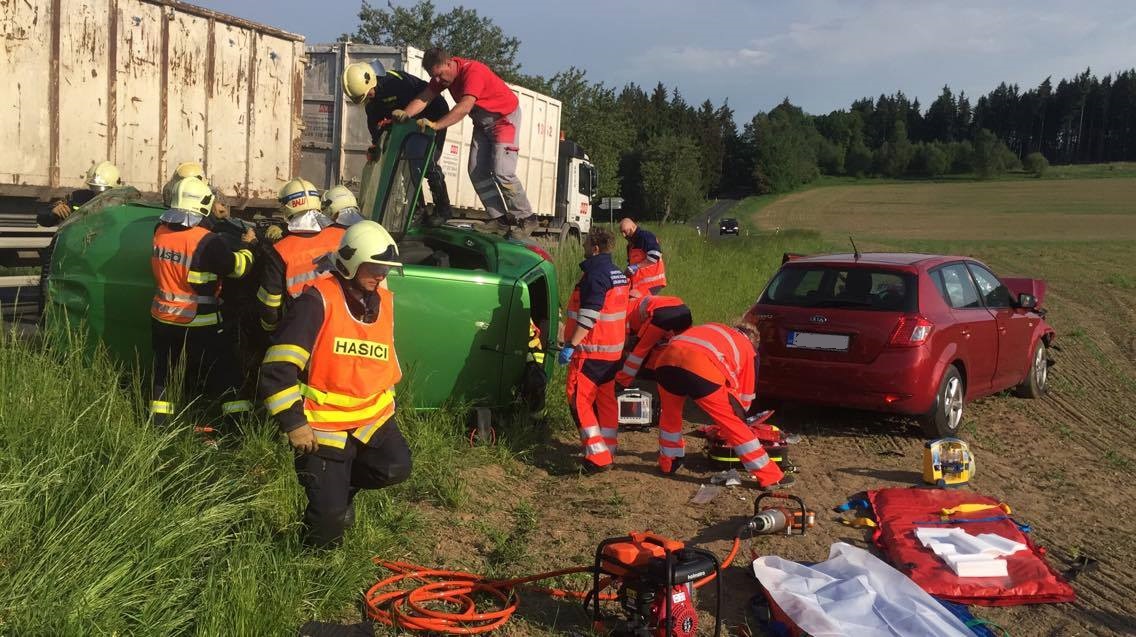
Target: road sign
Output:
[(611, 203)]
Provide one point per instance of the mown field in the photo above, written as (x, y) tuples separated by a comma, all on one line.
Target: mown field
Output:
[(109, 527)]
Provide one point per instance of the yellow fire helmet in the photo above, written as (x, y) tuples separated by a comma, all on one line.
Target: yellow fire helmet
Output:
[(103, 176), (298, 196), (189, 169), (192, 195), (365, 242), (186, 169), (359, 78), (337, 198)]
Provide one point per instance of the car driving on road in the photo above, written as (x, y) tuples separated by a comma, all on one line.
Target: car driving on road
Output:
[(728, 226), (911, 334)]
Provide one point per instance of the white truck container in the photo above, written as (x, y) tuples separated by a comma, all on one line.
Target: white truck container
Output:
[(557, 174), (146, 84)]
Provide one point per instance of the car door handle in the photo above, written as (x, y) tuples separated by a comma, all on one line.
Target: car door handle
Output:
[(1001, 330), (965, 333)]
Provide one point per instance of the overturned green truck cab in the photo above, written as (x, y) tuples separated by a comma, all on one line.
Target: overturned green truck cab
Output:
[(463, 300)]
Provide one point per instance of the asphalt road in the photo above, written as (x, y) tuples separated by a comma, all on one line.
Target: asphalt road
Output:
[(708, 220)]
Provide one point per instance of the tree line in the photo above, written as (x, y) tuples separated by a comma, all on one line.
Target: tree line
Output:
[(666, 156)]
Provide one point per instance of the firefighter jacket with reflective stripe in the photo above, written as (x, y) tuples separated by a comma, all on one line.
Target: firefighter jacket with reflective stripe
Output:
[(188, 264), (332, 363), (599, 304), (645, 261), (718, 353), (293, 263)]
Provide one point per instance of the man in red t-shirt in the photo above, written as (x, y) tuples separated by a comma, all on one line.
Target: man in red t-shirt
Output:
[(496, 113)]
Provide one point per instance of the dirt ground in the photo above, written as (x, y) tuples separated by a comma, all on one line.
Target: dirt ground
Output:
[(1065, 463), (1061, 488)]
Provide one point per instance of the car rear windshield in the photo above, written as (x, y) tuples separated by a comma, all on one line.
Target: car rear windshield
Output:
[(846, 287)]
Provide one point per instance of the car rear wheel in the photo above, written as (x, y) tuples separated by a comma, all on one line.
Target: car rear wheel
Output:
[(1037, 380), (946, 414)]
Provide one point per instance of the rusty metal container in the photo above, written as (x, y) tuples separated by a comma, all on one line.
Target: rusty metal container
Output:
[(146, 84)]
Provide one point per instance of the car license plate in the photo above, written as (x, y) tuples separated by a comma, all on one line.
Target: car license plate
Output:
[(811, 340)]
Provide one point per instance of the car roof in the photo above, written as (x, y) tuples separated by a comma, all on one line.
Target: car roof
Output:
[(881, 258)]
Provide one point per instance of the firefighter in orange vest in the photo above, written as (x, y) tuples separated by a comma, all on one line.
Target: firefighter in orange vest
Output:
[(716, 366), (188, 262), (596, 329), (299, 258), (645, 265), (651, 320), (328, 378)]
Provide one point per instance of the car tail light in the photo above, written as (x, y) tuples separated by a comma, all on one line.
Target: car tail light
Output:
[(911, 331), (540, 251)]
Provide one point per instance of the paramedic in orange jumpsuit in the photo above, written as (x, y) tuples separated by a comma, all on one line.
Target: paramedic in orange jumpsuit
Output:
[(645, 265), (596, 330), (715, 365)]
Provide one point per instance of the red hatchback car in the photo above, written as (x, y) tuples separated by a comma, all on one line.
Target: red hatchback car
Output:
[(912, 334)]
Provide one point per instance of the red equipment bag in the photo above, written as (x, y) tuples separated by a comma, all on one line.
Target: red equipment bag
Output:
[(898, 511)]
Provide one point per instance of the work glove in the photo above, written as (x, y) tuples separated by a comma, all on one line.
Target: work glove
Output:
[(61, 209), (565, 354), (273, 233), (303, 439), (399, 115), (424, 123), (373, 153), (632, 269), (248, 237)]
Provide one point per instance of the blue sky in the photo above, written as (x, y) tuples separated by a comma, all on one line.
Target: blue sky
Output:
[(822, 54)]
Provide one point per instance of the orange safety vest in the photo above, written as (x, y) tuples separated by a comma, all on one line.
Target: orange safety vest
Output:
[(649, 275), (353, 367), (714, 351), (301, 254), (176, 301), (606, 339)]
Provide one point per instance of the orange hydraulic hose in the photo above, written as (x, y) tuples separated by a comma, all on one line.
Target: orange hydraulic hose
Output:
[(411, 609)]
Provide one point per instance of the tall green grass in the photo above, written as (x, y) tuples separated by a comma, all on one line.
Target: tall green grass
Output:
[(719, 278), (109, 526)]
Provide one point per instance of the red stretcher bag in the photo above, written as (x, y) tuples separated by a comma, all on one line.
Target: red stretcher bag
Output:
[(898, 511)]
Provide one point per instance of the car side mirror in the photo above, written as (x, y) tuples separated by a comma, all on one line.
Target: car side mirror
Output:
[(1027, 301)]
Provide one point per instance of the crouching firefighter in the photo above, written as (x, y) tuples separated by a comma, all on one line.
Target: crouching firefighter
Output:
[(328, 378), (596, 332), (651, 320), (188, 262), (716, 366)]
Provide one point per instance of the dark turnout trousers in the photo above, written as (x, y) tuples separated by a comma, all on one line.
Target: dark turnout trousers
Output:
[(331, 477)]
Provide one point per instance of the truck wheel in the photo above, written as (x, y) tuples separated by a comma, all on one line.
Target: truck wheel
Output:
[(1036, 381), (946, 414), (564, 234)]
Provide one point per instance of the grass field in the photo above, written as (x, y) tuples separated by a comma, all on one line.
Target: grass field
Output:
[(109, 527), (1090, 209)]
